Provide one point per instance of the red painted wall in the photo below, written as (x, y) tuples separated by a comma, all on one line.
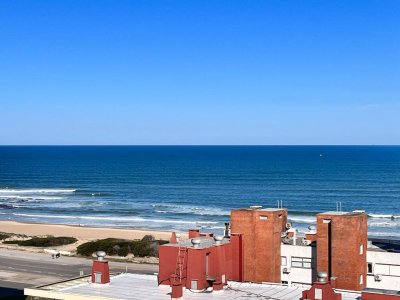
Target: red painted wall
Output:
[(224, 261), (237, 257), (167, 263), (377, 296)]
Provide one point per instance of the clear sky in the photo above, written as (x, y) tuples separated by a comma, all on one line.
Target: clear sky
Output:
[(200, 72)]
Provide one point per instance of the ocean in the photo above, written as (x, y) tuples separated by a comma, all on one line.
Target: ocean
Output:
[(181, 187)]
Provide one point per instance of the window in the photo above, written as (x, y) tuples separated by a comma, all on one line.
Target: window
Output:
[(395, 270), (302, 262), (370, 269), (361, 279), (283, 261), (361, 249), (387, 270), (262, 217)]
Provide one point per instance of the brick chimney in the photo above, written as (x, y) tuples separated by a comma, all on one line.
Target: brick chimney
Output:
[(100, 269)]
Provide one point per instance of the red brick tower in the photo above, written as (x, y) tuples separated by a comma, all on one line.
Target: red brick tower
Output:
[(342, 247), (261, 230)]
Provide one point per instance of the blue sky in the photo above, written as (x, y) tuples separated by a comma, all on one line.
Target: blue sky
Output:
[(200, 72)]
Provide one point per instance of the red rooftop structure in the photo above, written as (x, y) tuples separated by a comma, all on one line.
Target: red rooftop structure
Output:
[(321, 289), (201, 262), (100, 269)]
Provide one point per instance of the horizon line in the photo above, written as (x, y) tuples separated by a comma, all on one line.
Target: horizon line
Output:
[(198, 145)]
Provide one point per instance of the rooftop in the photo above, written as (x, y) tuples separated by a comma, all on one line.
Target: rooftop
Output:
[(204, 242), (134, 286), (342, 213), (334, 212), (260, 208)]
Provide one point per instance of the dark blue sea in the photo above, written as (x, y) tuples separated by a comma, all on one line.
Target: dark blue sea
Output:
[(179, 187)]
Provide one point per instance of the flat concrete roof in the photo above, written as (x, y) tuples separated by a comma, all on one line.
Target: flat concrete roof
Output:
[(342, 213), (205, 242), (129, 286), (334, 212), (260, 208)]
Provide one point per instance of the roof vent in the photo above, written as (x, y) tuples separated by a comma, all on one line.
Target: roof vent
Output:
[(196, 242), (255, 206), (322, 277), (218, 239), (178, 237), (100, 255), (312, 229)]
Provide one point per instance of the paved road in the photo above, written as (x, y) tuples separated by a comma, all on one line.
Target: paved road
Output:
[(19, 269)]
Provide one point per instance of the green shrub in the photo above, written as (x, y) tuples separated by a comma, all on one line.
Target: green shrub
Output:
[(110, 246), (4, 235), (49, 241), (148, 246)]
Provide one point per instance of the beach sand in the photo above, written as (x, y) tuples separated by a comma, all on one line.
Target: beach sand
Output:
[(82, 233), (79, 232)]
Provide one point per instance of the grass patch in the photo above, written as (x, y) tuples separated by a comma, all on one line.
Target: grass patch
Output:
[(147, 246), (49, 241)]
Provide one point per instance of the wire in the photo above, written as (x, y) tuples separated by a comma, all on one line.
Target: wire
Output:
[(253, 294)]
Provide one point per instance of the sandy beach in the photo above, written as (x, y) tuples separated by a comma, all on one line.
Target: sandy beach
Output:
[(79, 232), (82, 233)]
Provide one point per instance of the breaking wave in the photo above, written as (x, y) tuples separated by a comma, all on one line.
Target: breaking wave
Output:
[(190, 210), (36, 191), (383, 216), (117, 219), (28, 197)]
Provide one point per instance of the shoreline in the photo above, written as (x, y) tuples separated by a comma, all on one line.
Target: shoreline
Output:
[(79, 232)]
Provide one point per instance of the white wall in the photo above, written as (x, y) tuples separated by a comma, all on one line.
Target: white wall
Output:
[(387, 265), (296, 275)]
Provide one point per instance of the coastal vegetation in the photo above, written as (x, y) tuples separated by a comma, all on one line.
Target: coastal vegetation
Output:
[(4, 235), (49, 241), (146, 247)]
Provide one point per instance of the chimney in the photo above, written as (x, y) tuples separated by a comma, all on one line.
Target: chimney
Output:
[(100, 269), (173, 239), (193, 233), (227, 231), (218, 239), (177, 287)]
